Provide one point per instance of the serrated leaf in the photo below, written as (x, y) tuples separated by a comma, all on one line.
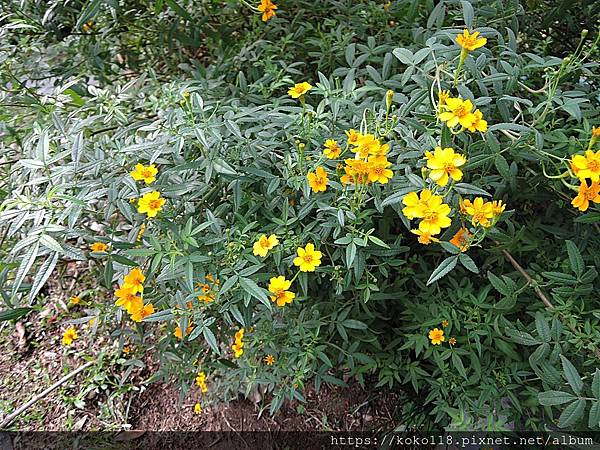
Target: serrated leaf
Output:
[(577, 264), (552, 398), (252, 288), (542, 327), (571, 375), (443, 269), (571, 414)]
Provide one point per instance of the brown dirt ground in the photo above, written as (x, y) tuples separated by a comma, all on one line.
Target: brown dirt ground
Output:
[(32, 358)]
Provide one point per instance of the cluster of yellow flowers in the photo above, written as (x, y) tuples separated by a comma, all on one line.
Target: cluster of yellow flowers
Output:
[(456, 111), (238, 345), (267, 8), (128, 299), (436, 336), (208, 289), (481, 212), (201, 382), (584, 167), (150, 203)]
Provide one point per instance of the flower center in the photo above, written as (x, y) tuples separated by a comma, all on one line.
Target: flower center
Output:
[(431, 216), (154, 204), (460, 111), (307, 259), (594, 166)]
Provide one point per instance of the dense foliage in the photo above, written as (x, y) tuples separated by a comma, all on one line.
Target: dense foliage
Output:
[(265, 204)]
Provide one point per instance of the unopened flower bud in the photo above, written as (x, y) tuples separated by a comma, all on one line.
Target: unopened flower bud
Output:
[(389, 98)]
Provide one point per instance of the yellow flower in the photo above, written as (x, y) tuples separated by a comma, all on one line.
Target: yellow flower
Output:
[(498, 207), (416, 204), (201, 382), (267, 7), (458, 111), (299, 89), (142, 313), (197, 409), (206, 298), (444, 323), (435, 216), (141, 172), (478, 123), (470, 42), (69, 336), (424, 238), (596, 132), (378, 169), (367, 145), (452, 341), (238, 346), (98, 247), (264, 244), (151, 203), (437, 336), (357, 171), (75, 300), (461, 239), (127, 299), (177, 333), (134, 280), (141, 232), (444, 163), (127, 349), (442, 97), (87, 27), (279, 287), (318, 181), (353, 136), (332, 149), (587, 166), (586, 195), (269, 360), (479, 211), (308, 258)]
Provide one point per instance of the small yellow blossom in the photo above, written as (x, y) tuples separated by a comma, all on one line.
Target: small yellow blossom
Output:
[(98, 247), (318, 181), (146, 173), (444, 323), (238, 346), (478, 124), (279, 286), (587, 166), (69, 336), (461, 239), (458, 111), (416, 204), (378, 169), (586, 195), (452, 341), (480, 211), (437, 336), (177, 333), (444, 164), (308, 258), (134, 280), (267, 7), (197, 409), (151, 203), (299, 89), (264, 244), (332, 149), (128, 300), (435, 216), (269, 360), (142, 313), (75, 300), (201, 382), (353, 136), (424, 238), (470, 42)]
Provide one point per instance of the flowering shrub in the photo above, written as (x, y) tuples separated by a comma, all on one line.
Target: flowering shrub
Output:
[(271, 231)]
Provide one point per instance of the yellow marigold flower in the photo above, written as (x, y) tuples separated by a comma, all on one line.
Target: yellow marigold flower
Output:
[(444, 164), (142, 313), (127, 299), (442, 97), (299, 89), (201, 382), (269, 360), (127, 349), (353, 136), (264, 244), (357, 171), (151, 203), (424, 238), (587, 166), (318, 181), (444, 323), (596, 132), (69, 336), (134, 280), (177, 333), (308, 258), (435, 216), (87, 27), (586, 195), (75, 300), (267, 7), (146, 173), (98, 247), (367, 145), (498, 207), (332, 149), (279, 287), (458, 111), (461, 239), (452, 341), (378, 169), (197, 409), (238, 350), (437, 336), (480, 211), (416, 204), (470, 42), (206, 298), (478, 123), (239, 335)]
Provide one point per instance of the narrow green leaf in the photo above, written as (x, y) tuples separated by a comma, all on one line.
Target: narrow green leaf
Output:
[(443, 269)]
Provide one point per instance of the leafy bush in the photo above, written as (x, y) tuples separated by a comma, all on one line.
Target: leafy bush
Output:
[(193, 195)]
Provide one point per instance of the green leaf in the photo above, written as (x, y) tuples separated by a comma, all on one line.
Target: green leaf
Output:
[(354, 324), (552, 398), (252, 288), (542, 327), (571, 375), (571, 414), (210, 339), (521, 337), (468, 262), (594, 417), (577, 264), (502, 166), (443, 269), (12, 314), (350, 254), (458, 365), (596, 384), (375, 240), (498, 284), (124, 261)]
